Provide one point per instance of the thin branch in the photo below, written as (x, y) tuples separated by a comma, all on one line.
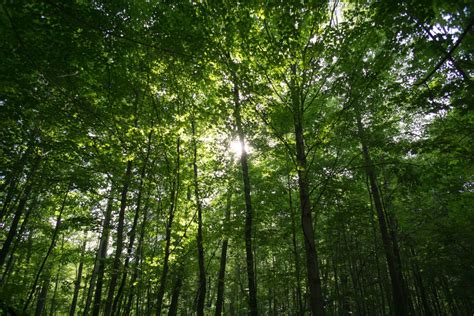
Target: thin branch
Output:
[(447, 54)]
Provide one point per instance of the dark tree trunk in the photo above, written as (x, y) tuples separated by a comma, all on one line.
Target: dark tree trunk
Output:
[(400, 300), (420, 285), (173, 201), (248, 204), (118, 297), (380, 280), (102, 254), (299, 299), (128, 306), (10, 262), (18, 213), (223, 261), (88, 292), (52, 309), (173, 310), (48, 253), (41, 303), (11, 180), (312, 265), (119, 242), (77, 283), (200, 248)]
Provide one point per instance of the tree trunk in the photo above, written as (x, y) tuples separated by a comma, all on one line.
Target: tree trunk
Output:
[(41, 303), (119, 242), (102, 254), (173, 201), (87, 296), (48, 253), (419, 284), (223, 261), (295, 251), (19, 212), (77, 284), (376, 255), (312, 265), (248, 204), (128, 306), (52, 309), (11, 180), (400, 301), (173, 310), (200, 248), (115, 307), (10, 262)]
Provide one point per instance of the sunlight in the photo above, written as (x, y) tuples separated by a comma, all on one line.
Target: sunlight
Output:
[(235, 147)]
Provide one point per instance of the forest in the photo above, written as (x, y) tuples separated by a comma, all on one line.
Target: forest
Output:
[(198, 157)]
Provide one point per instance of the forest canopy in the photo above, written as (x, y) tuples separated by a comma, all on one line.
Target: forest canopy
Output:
[(236, 157)]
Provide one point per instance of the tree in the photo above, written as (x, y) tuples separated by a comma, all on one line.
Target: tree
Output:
[(157, 158)]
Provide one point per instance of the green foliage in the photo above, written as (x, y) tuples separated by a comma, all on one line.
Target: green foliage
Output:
[(86, 87)]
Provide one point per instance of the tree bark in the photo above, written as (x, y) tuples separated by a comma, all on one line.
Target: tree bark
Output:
[(119, 242), (128, 306), (223, 261), (77, 283), (41, 303), (10, 262), (173, 310), (118, 297), (312, 265), (248, 204), (52, 308), (87, 298), (18, 213), (102, 254), (11, 180), (173, 202), (400, 300), (299, 299), (200, 248), (48, 253)]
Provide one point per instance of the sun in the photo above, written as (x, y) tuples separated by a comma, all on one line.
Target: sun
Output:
[(236, 147)]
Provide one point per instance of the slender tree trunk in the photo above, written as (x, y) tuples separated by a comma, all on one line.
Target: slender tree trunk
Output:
[(52, 309), (399, 297), (85, 289), (11, 180), (88, 291), (18, 213), (133, 229), (312, 264), (119, 241), (248, 204), (48, 253), (77, 284), (299, 299), (393, 230), (223, 261), (173, 202), (200, 248), (41, 303), (10, 262), (8, 198), (420, 285), (128, 306), (102, 254), (376, 255), (173, 310)]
